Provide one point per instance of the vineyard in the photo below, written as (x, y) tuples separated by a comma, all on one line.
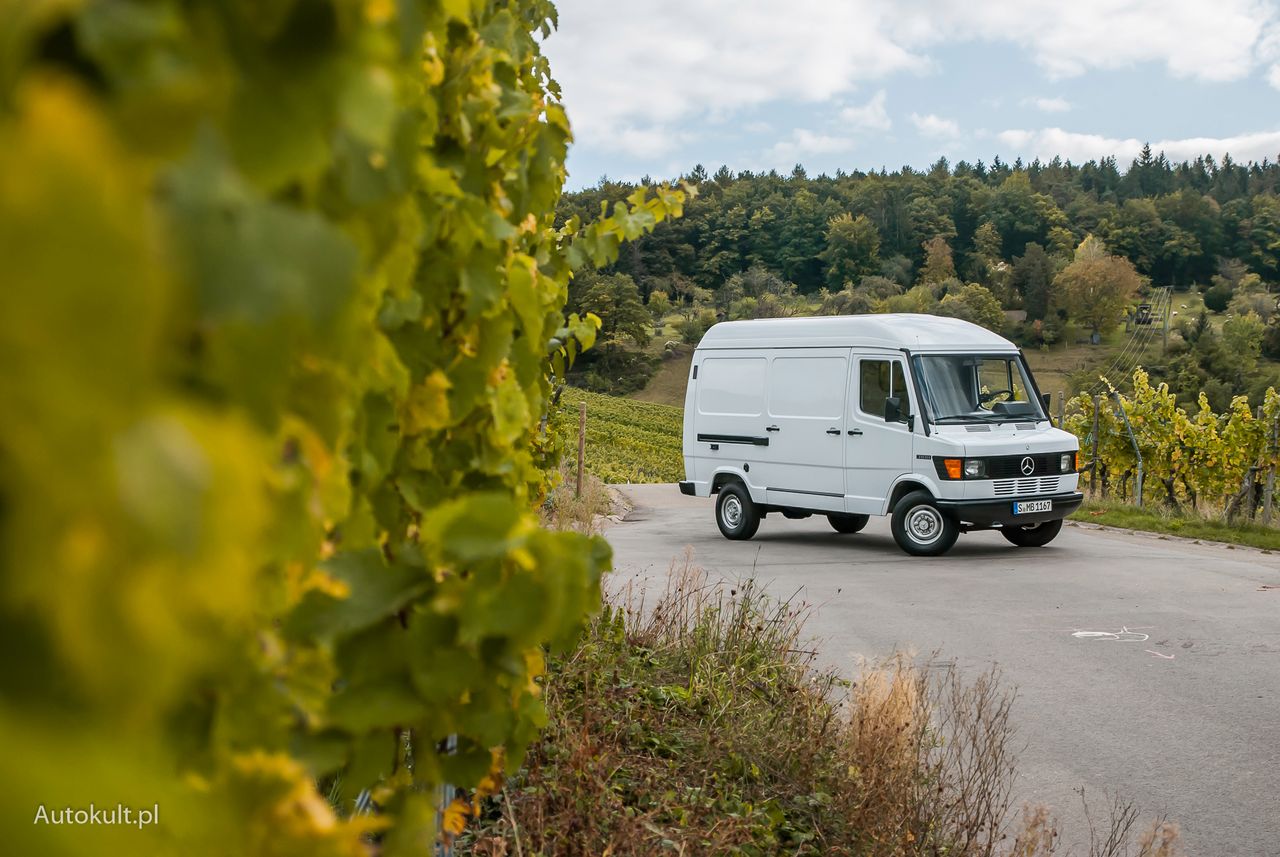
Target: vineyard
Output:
[(1216, 463), (627, 441)]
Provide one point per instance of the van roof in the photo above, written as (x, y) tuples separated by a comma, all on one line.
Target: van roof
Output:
[(885, 330)]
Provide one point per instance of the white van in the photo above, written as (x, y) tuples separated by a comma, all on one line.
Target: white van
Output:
[(935, 421)]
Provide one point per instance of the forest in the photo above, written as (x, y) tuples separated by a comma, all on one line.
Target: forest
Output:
[(1043, 252)]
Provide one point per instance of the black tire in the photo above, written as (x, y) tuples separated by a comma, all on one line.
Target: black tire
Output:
[(1032, 535), (736, 516), (848, 524), (922, 529)]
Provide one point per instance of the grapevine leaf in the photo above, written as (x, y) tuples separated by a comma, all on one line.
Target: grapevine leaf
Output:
[(376, 590)]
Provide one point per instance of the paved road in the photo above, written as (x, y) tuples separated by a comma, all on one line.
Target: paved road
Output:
[(1184, 718)]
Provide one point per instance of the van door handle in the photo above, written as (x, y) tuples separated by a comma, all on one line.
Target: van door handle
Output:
[(772, 428), (833, 431), (854, 432)]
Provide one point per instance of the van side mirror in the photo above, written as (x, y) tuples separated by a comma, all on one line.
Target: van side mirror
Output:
[(1046, 399), (892, 409)]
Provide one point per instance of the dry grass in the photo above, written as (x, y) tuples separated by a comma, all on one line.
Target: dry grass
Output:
[(565, 509), (696, 724), (669, 383)]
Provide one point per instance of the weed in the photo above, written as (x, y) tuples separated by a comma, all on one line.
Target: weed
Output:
[(697, 724), (565, 509)]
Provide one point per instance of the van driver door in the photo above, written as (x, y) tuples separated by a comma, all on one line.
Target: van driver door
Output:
[(876, 452)]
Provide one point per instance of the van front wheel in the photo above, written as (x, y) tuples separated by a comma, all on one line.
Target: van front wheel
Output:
[(736, 516), (1032, 535), (922, 529), (848, 524)]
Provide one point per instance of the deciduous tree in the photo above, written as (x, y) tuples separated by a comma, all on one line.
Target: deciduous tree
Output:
[(1096, 287), (853, 245)]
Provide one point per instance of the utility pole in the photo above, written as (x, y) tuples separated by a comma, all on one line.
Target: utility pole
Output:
[(582, 444), (1168, 309)]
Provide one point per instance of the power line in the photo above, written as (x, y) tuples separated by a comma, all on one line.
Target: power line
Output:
[(1131, 354), (1141, 342), (1147, 340)]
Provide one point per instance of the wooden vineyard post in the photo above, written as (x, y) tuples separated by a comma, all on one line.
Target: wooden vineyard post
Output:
[(1133, 439), (1062, 407), (582, 443), (1093, 459), (1269, 493)]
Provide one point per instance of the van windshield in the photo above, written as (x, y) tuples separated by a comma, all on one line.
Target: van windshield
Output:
[(971, 388)]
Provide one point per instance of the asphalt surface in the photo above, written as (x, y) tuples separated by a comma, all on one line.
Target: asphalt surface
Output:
[(1145, 666)]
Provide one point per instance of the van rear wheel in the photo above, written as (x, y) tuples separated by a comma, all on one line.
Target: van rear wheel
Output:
[(922, 529), (1032, 535), (736, 516), (848, 523)]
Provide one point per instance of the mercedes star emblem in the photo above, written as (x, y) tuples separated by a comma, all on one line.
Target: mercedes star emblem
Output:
[(1028, 465)]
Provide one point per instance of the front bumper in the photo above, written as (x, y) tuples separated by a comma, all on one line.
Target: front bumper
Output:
[(687, 488), (987, 512)]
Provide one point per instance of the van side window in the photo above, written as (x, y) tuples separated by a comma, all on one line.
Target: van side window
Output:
[(877, 381), (807, 387), (732, 386)]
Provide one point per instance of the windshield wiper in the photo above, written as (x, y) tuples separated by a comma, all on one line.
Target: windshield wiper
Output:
[(962, 418)]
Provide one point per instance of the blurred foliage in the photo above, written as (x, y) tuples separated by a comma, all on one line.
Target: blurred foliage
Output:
[(282, 290)]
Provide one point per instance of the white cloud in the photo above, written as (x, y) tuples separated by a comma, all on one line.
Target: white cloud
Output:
[(633, 72), (871, 116), (806, 142), (1048, 142), (667, 63), (931, 125), (647, 142), (1050, 105), (1218, 43)]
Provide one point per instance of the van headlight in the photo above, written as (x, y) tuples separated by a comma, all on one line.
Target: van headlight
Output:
[(961, 468), (1068, 462)]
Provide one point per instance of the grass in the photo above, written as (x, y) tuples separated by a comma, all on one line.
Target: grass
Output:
[(1188, 526), (668, 385), (697, 725), (565, 509)]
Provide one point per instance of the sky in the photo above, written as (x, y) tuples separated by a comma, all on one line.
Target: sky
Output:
[(653, 88)]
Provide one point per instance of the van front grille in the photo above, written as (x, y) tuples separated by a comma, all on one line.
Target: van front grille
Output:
[(1034, 485), (1004, 466)]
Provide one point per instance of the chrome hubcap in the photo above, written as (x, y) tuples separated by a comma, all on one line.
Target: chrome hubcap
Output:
[(732, 512), (924, 523)]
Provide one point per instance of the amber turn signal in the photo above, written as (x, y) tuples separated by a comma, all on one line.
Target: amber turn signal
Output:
[(954, 467)]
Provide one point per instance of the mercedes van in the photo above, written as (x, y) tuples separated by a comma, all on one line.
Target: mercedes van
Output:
[(934, 421)]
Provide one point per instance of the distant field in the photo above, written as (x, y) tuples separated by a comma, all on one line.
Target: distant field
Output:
[(627, 440), (668, 384)]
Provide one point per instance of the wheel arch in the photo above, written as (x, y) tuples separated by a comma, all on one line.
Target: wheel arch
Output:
[(905, 486), (723, 476)]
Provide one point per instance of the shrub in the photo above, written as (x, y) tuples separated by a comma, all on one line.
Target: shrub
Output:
[(693, 327), (1217, 298)]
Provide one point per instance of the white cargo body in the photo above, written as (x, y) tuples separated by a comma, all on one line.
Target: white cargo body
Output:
[(935, 421)]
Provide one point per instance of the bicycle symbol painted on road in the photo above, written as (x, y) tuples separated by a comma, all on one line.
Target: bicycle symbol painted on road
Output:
[(1124, 635)]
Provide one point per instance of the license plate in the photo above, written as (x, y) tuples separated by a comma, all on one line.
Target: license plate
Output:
[(1032, 506)]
